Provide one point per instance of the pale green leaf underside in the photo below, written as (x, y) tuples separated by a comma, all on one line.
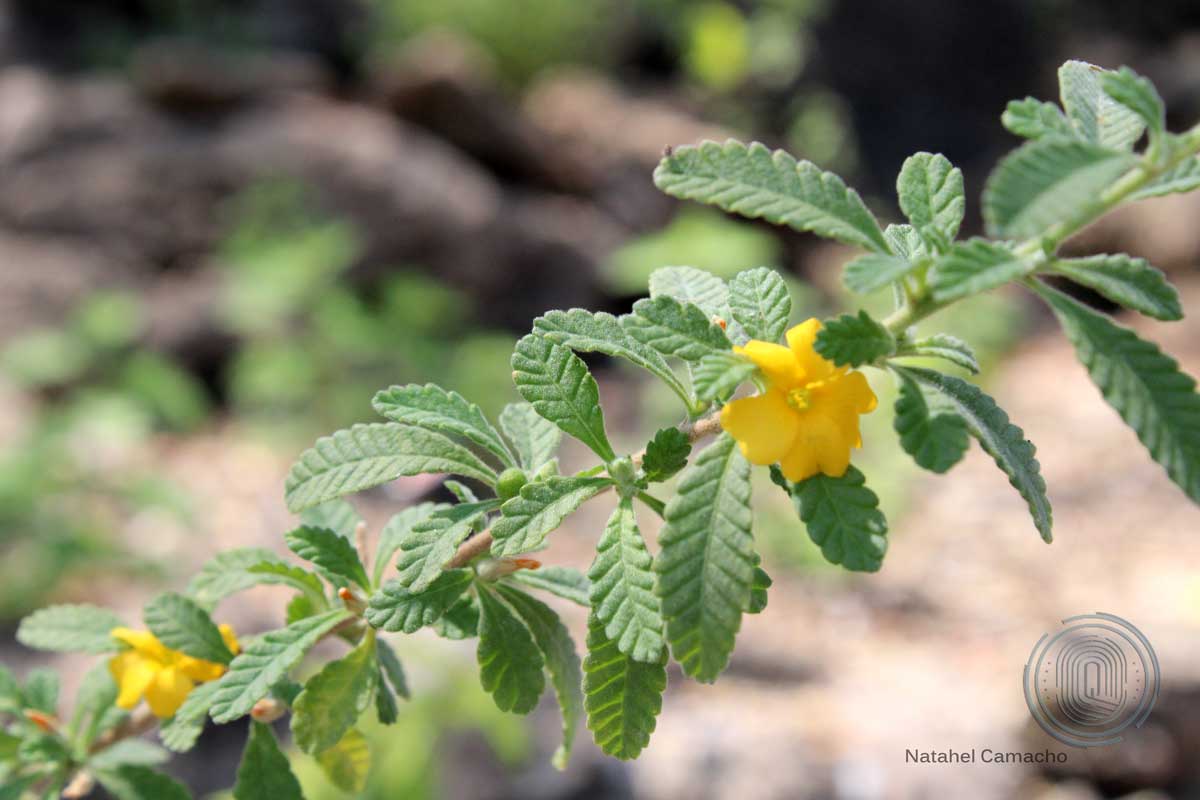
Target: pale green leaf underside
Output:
[(760, 303), (265, 661), (436, 409), (337, 515), (972, 267), (565, 582), (937, 439), (931, 195), (180, 624), (691, 285), (622, 697), (1035, 119), (872, 271), (622, 594), (510, 663), (367, 455), (717, 375), (1143, 384), (535, 438), (1184, 178), (705, 566), (540, 508), (334, 698), (432, 542), (1095, 116), (1128, 281), (70, 629), (348, 763), (756, 183), (943, 346), (1138, 95), (1003, 441), (560, 388), (395, 609), (842, 517)]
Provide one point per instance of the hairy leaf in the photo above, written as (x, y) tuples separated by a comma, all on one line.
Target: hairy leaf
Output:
[(872, 271), (334, 698), (333, 555), (935, 437), (673, 328), (906, 242), (534, 438), (347, 763), (760, 303), (931, 196), (1003, 441), (691, 285), (565, 582), (265, 773), (972, 267), (397, 529), (135, 782), (1128, 281), (231, 571), (433, 541), (391, 667), (367, 455), (461, 620), (182, 625), (666, 454), (280, 573), (585, 332), (843, 518), (1034, 119), (854, 340), (1183, 178), (432, 407), (561, 389), (1095, 116), (622, 593), (180, 732), (1046, 181), (540, 508), (756, 183), (622, 697), (265, 661), (717, 375), (1136, 94), (70, 629), (562, 662), (943, 346), (394, 608), (337, 515), (706, 564), (1143, 384), (510, 663)]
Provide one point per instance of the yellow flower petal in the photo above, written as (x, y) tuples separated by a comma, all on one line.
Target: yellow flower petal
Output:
[(777, 362), (143, 642), (200, 670), (800, 339), (132, 673), (230, 638), (821, 446), (167, 691), (764, 426), (856, 390)]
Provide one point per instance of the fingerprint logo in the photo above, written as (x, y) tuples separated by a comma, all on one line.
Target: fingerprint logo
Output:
[(1092, 680)]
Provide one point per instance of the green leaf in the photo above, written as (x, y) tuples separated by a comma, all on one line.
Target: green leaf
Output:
[(935, 437), (622, 697), (433, 541), (397, 529), (666, 454), (534, 438), (10, 692), (461, 491), (972, 267), (229, 572), (1128, 281), (1183, 178), (717, 375), (510, 663), (334, 556), (622, 594), (1143, 384), (1035, 119), (1096, 116), (561, 389), (433, 408), (906, 242), (1136, 94), (265, 661), (691, 285), (133, 782), (392, 668), (41, 690), (337, 515), (386, 710), (843, 518), (943, 346), (760, 303), (367, 455), (1003, 441), (758, 591), (348, 763), (562, 662), (854, 340), (334, 698), (70, 629), (585, 332), (265, 773), (931, 196), (565, 582), (129, 751), (45, 749), (180, 732), (461, 620), (182, 625), (682, 330), (756, 183), (705, 566), (1045, 182), (872, 271), (280, 573), (97, 694), (394, 608), (540, 508)]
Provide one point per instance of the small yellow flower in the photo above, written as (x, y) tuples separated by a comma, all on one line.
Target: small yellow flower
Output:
[(807, 419), (163, 676)]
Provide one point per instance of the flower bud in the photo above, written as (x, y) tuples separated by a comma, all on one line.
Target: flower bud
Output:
[(510, 482), (267, 710)]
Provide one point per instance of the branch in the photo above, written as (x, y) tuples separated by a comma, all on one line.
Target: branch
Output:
[(481, 543)]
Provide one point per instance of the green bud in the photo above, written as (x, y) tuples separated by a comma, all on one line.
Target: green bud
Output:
[(623, 471), (510, 483)]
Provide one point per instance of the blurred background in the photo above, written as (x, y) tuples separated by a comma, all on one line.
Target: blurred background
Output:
[(225, 223)]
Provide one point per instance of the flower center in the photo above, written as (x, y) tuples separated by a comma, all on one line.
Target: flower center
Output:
[(799, 399)]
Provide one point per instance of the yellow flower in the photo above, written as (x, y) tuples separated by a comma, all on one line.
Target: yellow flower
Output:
[(807, 419), (163, 676)]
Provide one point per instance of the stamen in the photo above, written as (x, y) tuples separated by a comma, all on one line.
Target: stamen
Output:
[(799, 399)]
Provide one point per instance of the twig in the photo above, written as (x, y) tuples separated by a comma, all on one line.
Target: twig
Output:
[(481, 543), (140, 721)]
